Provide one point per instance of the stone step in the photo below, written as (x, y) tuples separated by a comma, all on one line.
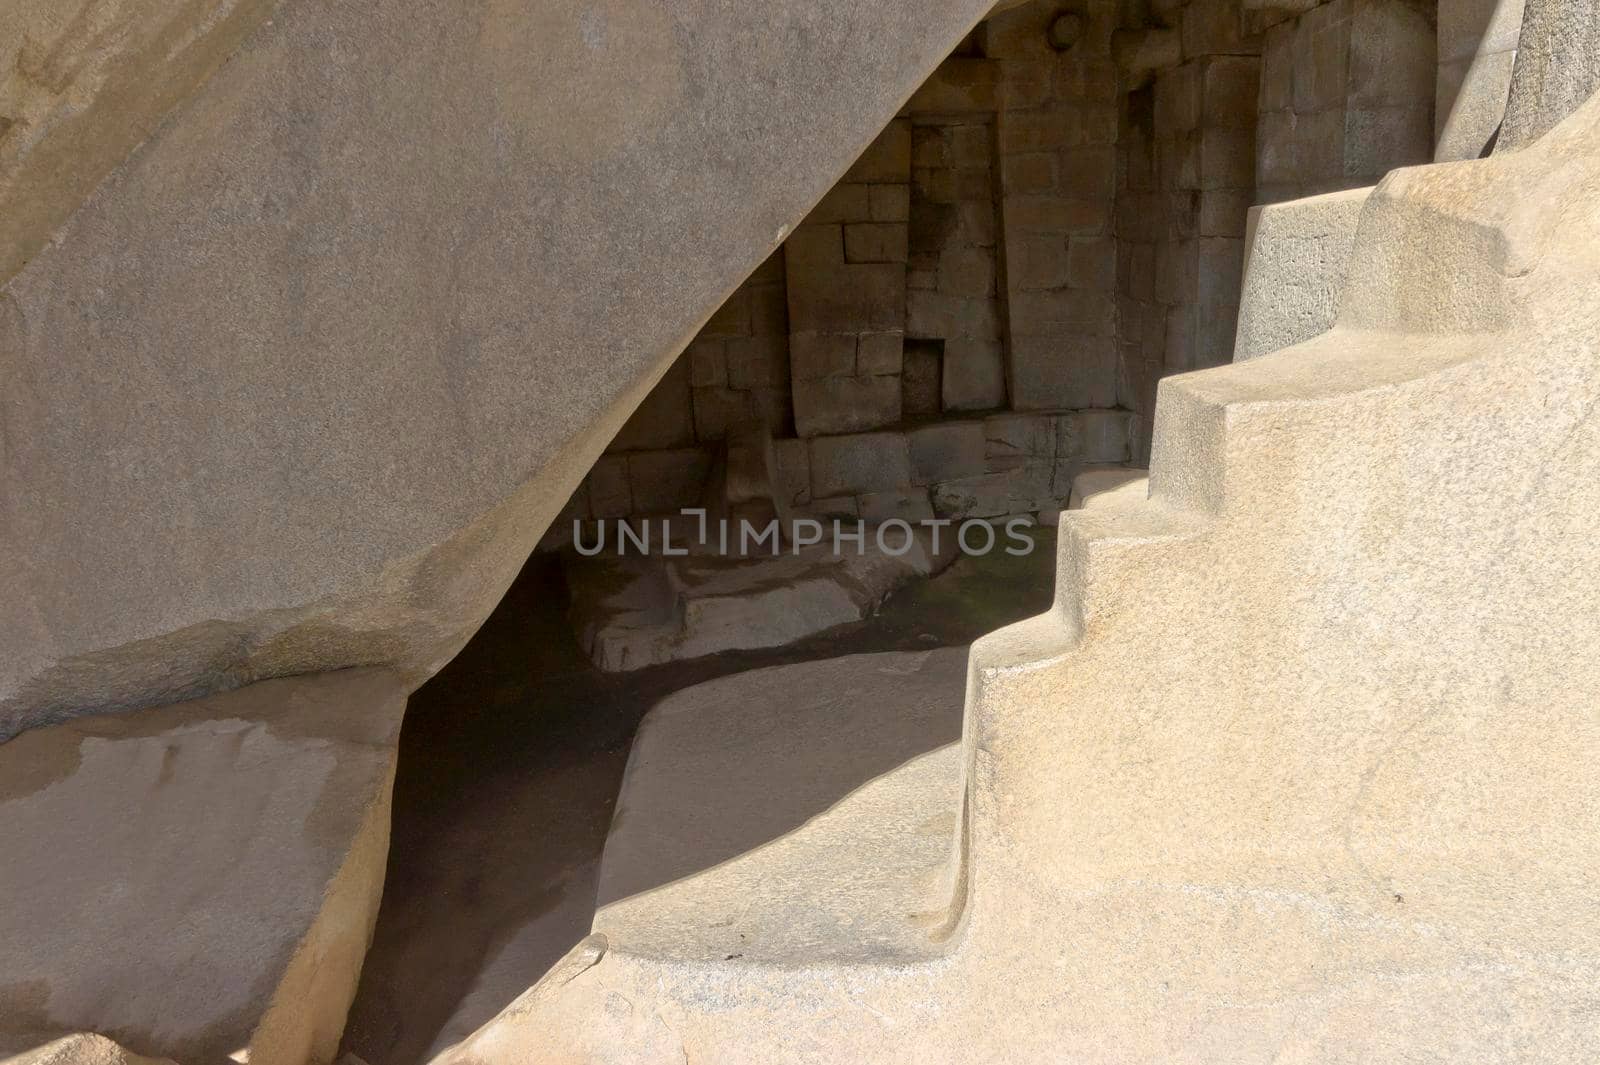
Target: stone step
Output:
[(633, 611), (798, 813)]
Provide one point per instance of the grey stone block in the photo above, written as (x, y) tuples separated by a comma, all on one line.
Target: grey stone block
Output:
[(791, 471), (889, 203), (668, 480), (875, 242), (758, 362), (609, 493), (946, 451), (858, 463), (1012, 441), (879, 353), (973, 374), (907, 504), (813, 356), (708, 363), (845, 404)]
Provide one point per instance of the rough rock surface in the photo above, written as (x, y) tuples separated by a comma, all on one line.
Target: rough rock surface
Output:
[(301, 383), (1296, 256), (82, 82), (1557, 67), (80, 1049), (1477, 50), (200, 879)]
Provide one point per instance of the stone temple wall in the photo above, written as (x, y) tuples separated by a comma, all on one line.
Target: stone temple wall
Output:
[(1054, 222)]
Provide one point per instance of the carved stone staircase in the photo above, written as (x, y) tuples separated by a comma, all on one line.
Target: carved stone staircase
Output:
[(1300, 766)]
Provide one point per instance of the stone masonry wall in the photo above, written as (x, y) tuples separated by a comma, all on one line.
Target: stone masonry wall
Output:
[(1057, 131), (1346, 96), (1054, 222), (1186, 184)]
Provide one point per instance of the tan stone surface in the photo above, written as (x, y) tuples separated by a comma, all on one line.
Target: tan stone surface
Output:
[(82, 83), (1477, 49), (199, 880), (306, 378), (724, 842), (1557, 68), (1300, 765), (1294, 270), (81, 1049)]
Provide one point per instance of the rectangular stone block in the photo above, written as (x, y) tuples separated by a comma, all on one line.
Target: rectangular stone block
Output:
[(791, 471), (1394, 52), (716, 410), (1224, 212), (1036, 263), (1227, 158), (1028, 172), (858, 463), (1381, 138), (848, 298), (845, 404), (968, 272), (907, 504), (812, 250), (848, 201), (1088, 437), (832, 507), (938, 314), (875, 242), (1063, 310), (758, 362), (929, 149), (1087, 172), (1056, 372), (1214, 27), (879, 353), (609, 494), (921, 371), (946, 451), (993, 495), (1092, 263), (1056, 214), (1012, 441), (1277, 69), (769, 309), (974, 375), (1230, 88), (813, 356), (1320, 57), (1221, 270), (1178, 355), (708, 363), (889, 203), (958, 85), (1177, 99), (665, 481), (977, 224)]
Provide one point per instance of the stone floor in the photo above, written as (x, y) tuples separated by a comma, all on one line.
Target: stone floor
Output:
[(510, 763)]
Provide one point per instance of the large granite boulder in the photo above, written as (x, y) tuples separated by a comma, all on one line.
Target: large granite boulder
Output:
[(198, 880), (301, 382), (1557, 68)]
